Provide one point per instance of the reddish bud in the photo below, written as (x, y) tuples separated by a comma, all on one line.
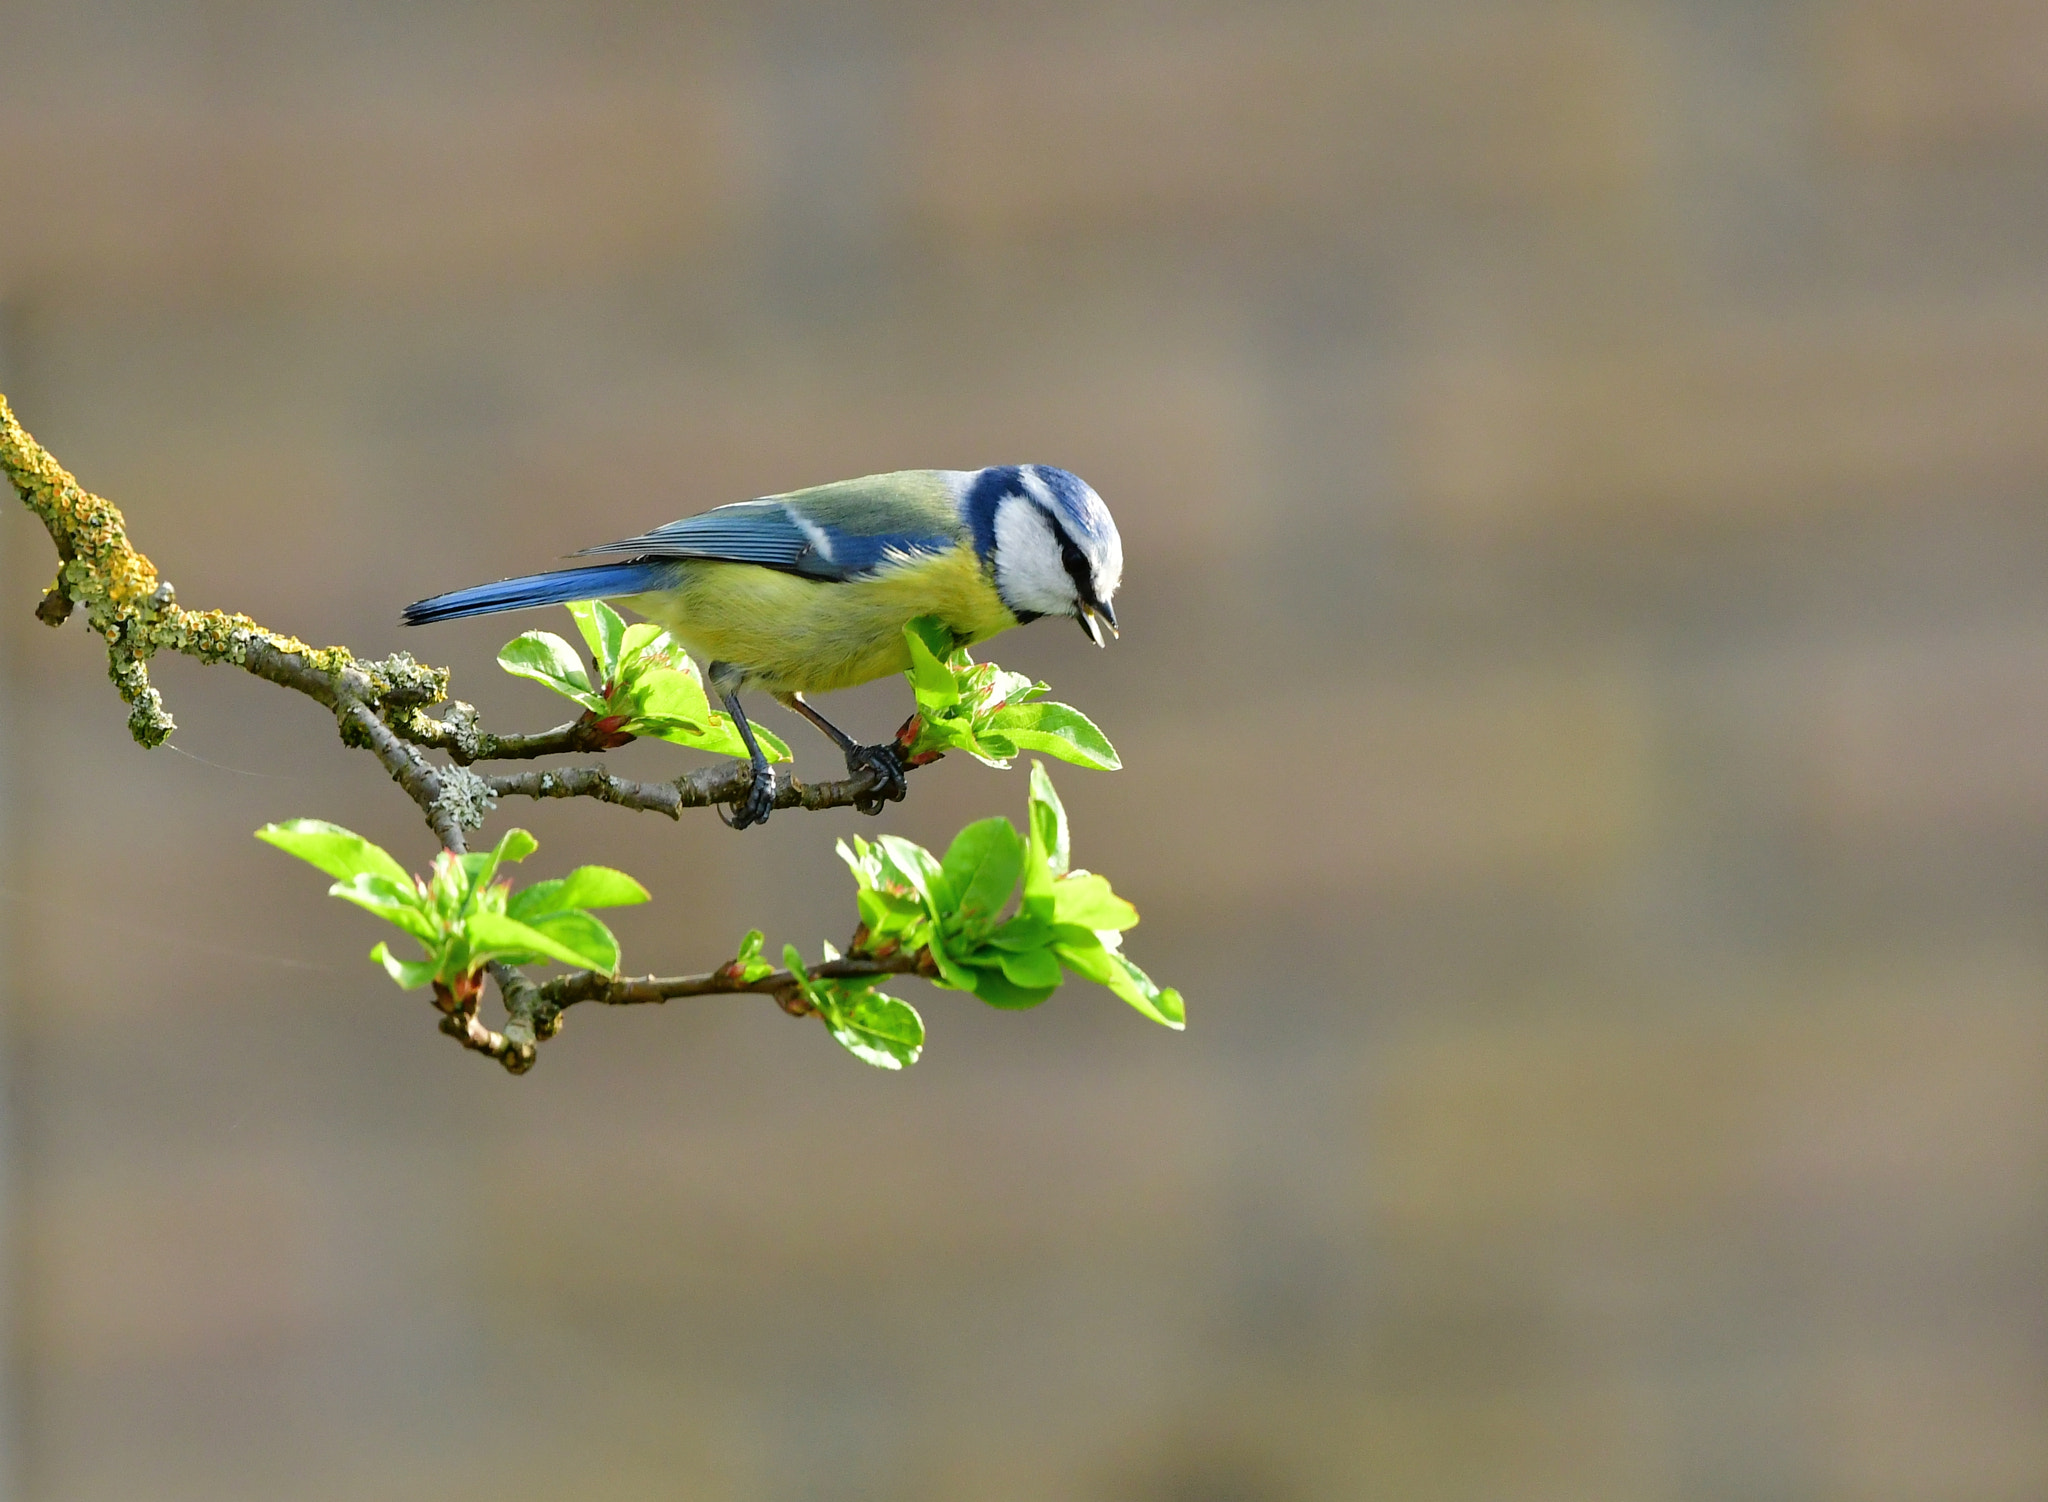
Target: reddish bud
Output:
[(602, 733)]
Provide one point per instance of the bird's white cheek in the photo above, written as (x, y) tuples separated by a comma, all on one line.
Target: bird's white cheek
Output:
[(1030, 570)]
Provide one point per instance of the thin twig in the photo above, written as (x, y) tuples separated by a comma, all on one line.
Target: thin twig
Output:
[(706, 787), (458, 734), (642, 990)]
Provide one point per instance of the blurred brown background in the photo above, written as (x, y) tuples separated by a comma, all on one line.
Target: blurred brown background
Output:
[(1584, 695)]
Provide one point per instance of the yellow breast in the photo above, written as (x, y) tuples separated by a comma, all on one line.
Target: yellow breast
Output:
[(795, 635)]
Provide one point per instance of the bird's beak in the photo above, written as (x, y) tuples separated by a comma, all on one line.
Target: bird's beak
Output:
[(1095, 619)]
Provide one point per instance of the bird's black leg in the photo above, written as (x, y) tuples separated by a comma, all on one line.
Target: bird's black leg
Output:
[(760, 799), (884, 761)]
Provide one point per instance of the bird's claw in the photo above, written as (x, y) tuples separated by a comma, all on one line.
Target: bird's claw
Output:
[(885, 764), (757, 803)]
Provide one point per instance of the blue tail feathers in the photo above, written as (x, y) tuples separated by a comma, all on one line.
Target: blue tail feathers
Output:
[(556, 588)]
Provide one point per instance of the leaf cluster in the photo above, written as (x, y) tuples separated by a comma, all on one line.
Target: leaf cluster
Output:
[(639, 682), (461, 915), (988, 711), (1002, 915)]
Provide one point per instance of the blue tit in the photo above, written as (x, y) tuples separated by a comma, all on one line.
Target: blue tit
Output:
[(808, 592)]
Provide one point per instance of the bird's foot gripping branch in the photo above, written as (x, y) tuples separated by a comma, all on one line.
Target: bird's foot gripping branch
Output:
[(1000, 914)]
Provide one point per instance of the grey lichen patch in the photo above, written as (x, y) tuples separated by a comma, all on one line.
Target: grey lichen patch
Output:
[(148, 721), (458, 729), (399, 680), (465, 797)]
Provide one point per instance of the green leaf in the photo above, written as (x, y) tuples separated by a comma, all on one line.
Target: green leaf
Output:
[(930, 679), (495, 933), (551, 662), (601, 886), (1015, 688), (719, 737), (529, 903), (662, 728), (450, 882), (516, 845), (1162, 1005), (1057, 730), (1032, 969), (748, 961), (411, 974), (595, 946), (642, 635), (935, 637), (1086, 901), (953, 975), (917, 868), (862, 859), (773, 746), (998, 990), (586, 886), (993, 749), (1085, 952), (940, 735), (888, 916), (982, 866), (1048, 849), (1049, 821), (400, 905), (1022, 932), (874, 1028), (341, 853), (604, 631), (667, 694)]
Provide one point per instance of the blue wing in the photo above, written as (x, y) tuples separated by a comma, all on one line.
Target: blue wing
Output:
[(846, 530), (841, 531), (760, 532)]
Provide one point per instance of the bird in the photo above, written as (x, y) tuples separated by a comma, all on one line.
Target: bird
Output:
[(809, 591)]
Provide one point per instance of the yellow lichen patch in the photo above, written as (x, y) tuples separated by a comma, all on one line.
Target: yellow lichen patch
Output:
[(127, 605), (86, 527)]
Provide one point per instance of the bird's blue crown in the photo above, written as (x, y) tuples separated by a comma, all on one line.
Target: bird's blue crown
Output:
[(1077, 508)]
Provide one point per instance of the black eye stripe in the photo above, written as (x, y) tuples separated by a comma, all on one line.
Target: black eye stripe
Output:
[(1077, 566)]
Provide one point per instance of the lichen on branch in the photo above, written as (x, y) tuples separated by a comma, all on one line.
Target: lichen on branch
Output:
[(137, 613)]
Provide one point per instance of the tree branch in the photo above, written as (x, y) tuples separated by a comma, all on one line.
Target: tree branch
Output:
[(380, 707), (533, 1013), (458, 734), (621, 991), (707, 787)]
